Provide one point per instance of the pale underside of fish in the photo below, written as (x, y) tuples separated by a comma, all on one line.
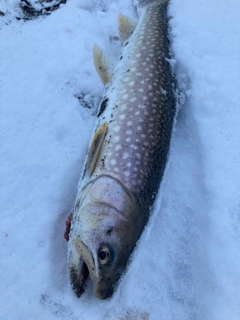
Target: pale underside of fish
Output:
[(127, 154)]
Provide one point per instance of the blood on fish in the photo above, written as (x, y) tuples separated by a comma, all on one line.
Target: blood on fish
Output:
[(68, 226)]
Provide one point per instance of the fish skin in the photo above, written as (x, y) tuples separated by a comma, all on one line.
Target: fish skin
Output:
[(132, 140)]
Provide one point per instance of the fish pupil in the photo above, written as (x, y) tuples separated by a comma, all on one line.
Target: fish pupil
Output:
[(102, 255)]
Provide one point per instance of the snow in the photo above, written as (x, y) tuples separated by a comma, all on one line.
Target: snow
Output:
[(187, 264)]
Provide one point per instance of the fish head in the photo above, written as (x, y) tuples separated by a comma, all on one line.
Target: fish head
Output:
[(107, 226)]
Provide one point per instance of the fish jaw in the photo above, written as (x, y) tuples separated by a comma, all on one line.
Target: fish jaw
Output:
[(78, 271), (106, 226)]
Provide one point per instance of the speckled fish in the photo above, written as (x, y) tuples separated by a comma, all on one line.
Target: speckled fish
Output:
[(127, 154)]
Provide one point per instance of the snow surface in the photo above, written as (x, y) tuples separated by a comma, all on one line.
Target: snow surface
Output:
[(187, 264)]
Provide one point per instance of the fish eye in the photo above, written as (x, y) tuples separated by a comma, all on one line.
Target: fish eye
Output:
[(104, 255)]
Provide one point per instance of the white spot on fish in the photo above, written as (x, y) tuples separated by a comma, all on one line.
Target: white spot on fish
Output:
[(164, 92), (125, 96), (140, 90), (116, 169), (113, 162), (127, 173), (118, 147), (122, 116), (125, 155), (116, 139), (129, 132), (129, 123), (116, 129), (133, 99), (139, 74), (131, 83)]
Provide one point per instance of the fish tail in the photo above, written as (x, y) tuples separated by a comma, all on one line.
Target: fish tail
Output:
[(143, 3)]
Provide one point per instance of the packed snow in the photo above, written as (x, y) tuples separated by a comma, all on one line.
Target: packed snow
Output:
[(187, 263)]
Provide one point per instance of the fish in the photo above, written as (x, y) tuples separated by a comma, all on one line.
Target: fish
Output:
[(127, 154)]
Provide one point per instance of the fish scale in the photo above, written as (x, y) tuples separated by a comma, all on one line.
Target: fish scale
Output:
[(127, 153)]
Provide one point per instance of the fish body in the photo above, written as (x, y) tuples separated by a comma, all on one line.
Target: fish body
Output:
[(127, 154)]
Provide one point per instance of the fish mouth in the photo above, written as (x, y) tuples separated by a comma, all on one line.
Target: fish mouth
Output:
[(79, 271), (78, 277)]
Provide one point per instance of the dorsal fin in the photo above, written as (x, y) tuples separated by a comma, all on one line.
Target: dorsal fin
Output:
[(126, 27), (103, 64), (95, 147)]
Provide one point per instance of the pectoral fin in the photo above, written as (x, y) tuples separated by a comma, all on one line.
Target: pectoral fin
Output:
[(103, 64), (95, 147), (126, 27)]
